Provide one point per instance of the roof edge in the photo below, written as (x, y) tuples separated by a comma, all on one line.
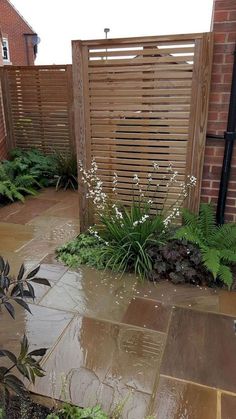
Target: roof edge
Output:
[(22, 17)]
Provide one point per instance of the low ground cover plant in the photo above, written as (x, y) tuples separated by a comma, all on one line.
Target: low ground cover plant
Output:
[(180, 262), (86, 249)]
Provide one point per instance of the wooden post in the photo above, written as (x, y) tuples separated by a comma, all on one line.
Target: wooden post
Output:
[(82, 124), (199, 114), (71, 116), (10, 141)]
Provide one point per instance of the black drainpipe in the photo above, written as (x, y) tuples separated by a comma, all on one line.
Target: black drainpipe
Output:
[(229, 136)]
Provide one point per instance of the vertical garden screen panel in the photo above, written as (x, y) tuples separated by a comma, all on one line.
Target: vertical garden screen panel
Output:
[(38, 106), (139, 101)]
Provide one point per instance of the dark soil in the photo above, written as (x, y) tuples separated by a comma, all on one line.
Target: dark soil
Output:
[(19, 408)]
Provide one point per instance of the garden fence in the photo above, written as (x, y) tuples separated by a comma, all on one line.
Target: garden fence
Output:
[(38, 105), (2, 129), (139, 100)]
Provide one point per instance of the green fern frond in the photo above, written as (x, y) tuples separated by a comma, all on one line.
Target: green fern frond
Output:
[(190, 219), (228, 256), (206, 220), (211, 260), (224, 236), (190, 234), (225, 275)]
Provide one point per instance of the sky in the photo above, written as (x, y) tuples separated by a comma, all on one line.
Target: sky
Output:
[(57, 22)]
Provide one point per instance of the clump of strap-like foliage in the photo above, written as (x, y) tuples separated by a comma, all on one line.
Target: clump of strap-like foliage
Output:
[(217, 244)]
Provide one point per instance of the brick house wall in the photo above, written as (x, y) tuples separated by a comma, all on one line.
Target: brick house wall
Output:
[(224, 27), (14, 28)]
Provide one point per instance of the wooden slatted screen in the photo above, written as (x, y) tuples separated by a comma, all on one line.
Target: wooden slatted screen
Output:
[(39, 107), (140, 100)]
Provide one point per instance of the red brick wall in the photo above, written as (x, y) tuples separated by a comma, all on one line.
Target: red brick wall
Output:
[(224, 27), (13, 27)]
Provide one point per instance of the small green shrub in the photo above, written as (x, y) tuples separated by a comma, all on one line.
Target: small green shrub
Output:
[(84, 250), (217, 244), (65, 171)]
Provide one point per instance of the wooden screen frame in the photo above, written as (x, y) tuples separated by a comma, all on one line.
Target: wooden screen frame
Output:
[(200, 90)]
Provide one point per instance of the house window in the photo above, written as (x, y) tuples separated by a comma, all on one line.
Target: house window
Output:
[(5, 50)]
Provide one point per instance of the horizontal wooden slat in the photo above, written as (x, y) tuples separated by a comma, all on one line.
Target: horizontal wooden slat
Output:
[(139, 114), (142, 51), (138, 84), (133, 128), (139, 75), (106, 122), (142, 67), (140, 142), (140, 61), (140, 92)]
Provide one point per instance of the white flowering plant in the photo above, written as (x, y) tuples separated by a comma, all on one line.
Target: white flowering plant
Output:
[(127, 232)]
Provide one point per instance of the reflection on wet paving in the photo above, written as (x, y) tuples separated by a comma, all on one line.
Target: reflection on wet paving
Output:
[(93, 293), (181, 400), (104, 361), (39, 330), (158, 348)]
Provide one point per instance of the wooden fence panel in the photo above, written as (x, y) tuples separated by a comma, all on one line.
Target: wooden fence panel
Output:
[(139, 100), (3, 145), (38, 101)]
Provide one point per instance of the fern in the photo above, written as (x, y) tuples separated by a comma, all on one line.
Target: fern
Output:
[(206, 220), (26, 172), (225, 275), (216, 243), (14, 188)]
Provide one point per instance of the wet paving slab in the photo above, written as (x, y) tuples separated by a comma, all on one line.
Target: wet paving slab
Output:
[(26, 213), (228, 406), (43, 326), (94, 293), (148, 314), (201, 348), (188, 296), (181, 400), (157, 348), (104, 363)]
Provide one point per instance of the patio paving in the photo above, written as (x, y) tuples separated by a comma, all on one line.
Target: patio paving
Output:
[(161, 349)]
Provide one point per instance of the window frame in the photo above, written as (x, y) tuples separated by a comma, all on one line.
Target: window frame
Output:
[(5, 40)]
